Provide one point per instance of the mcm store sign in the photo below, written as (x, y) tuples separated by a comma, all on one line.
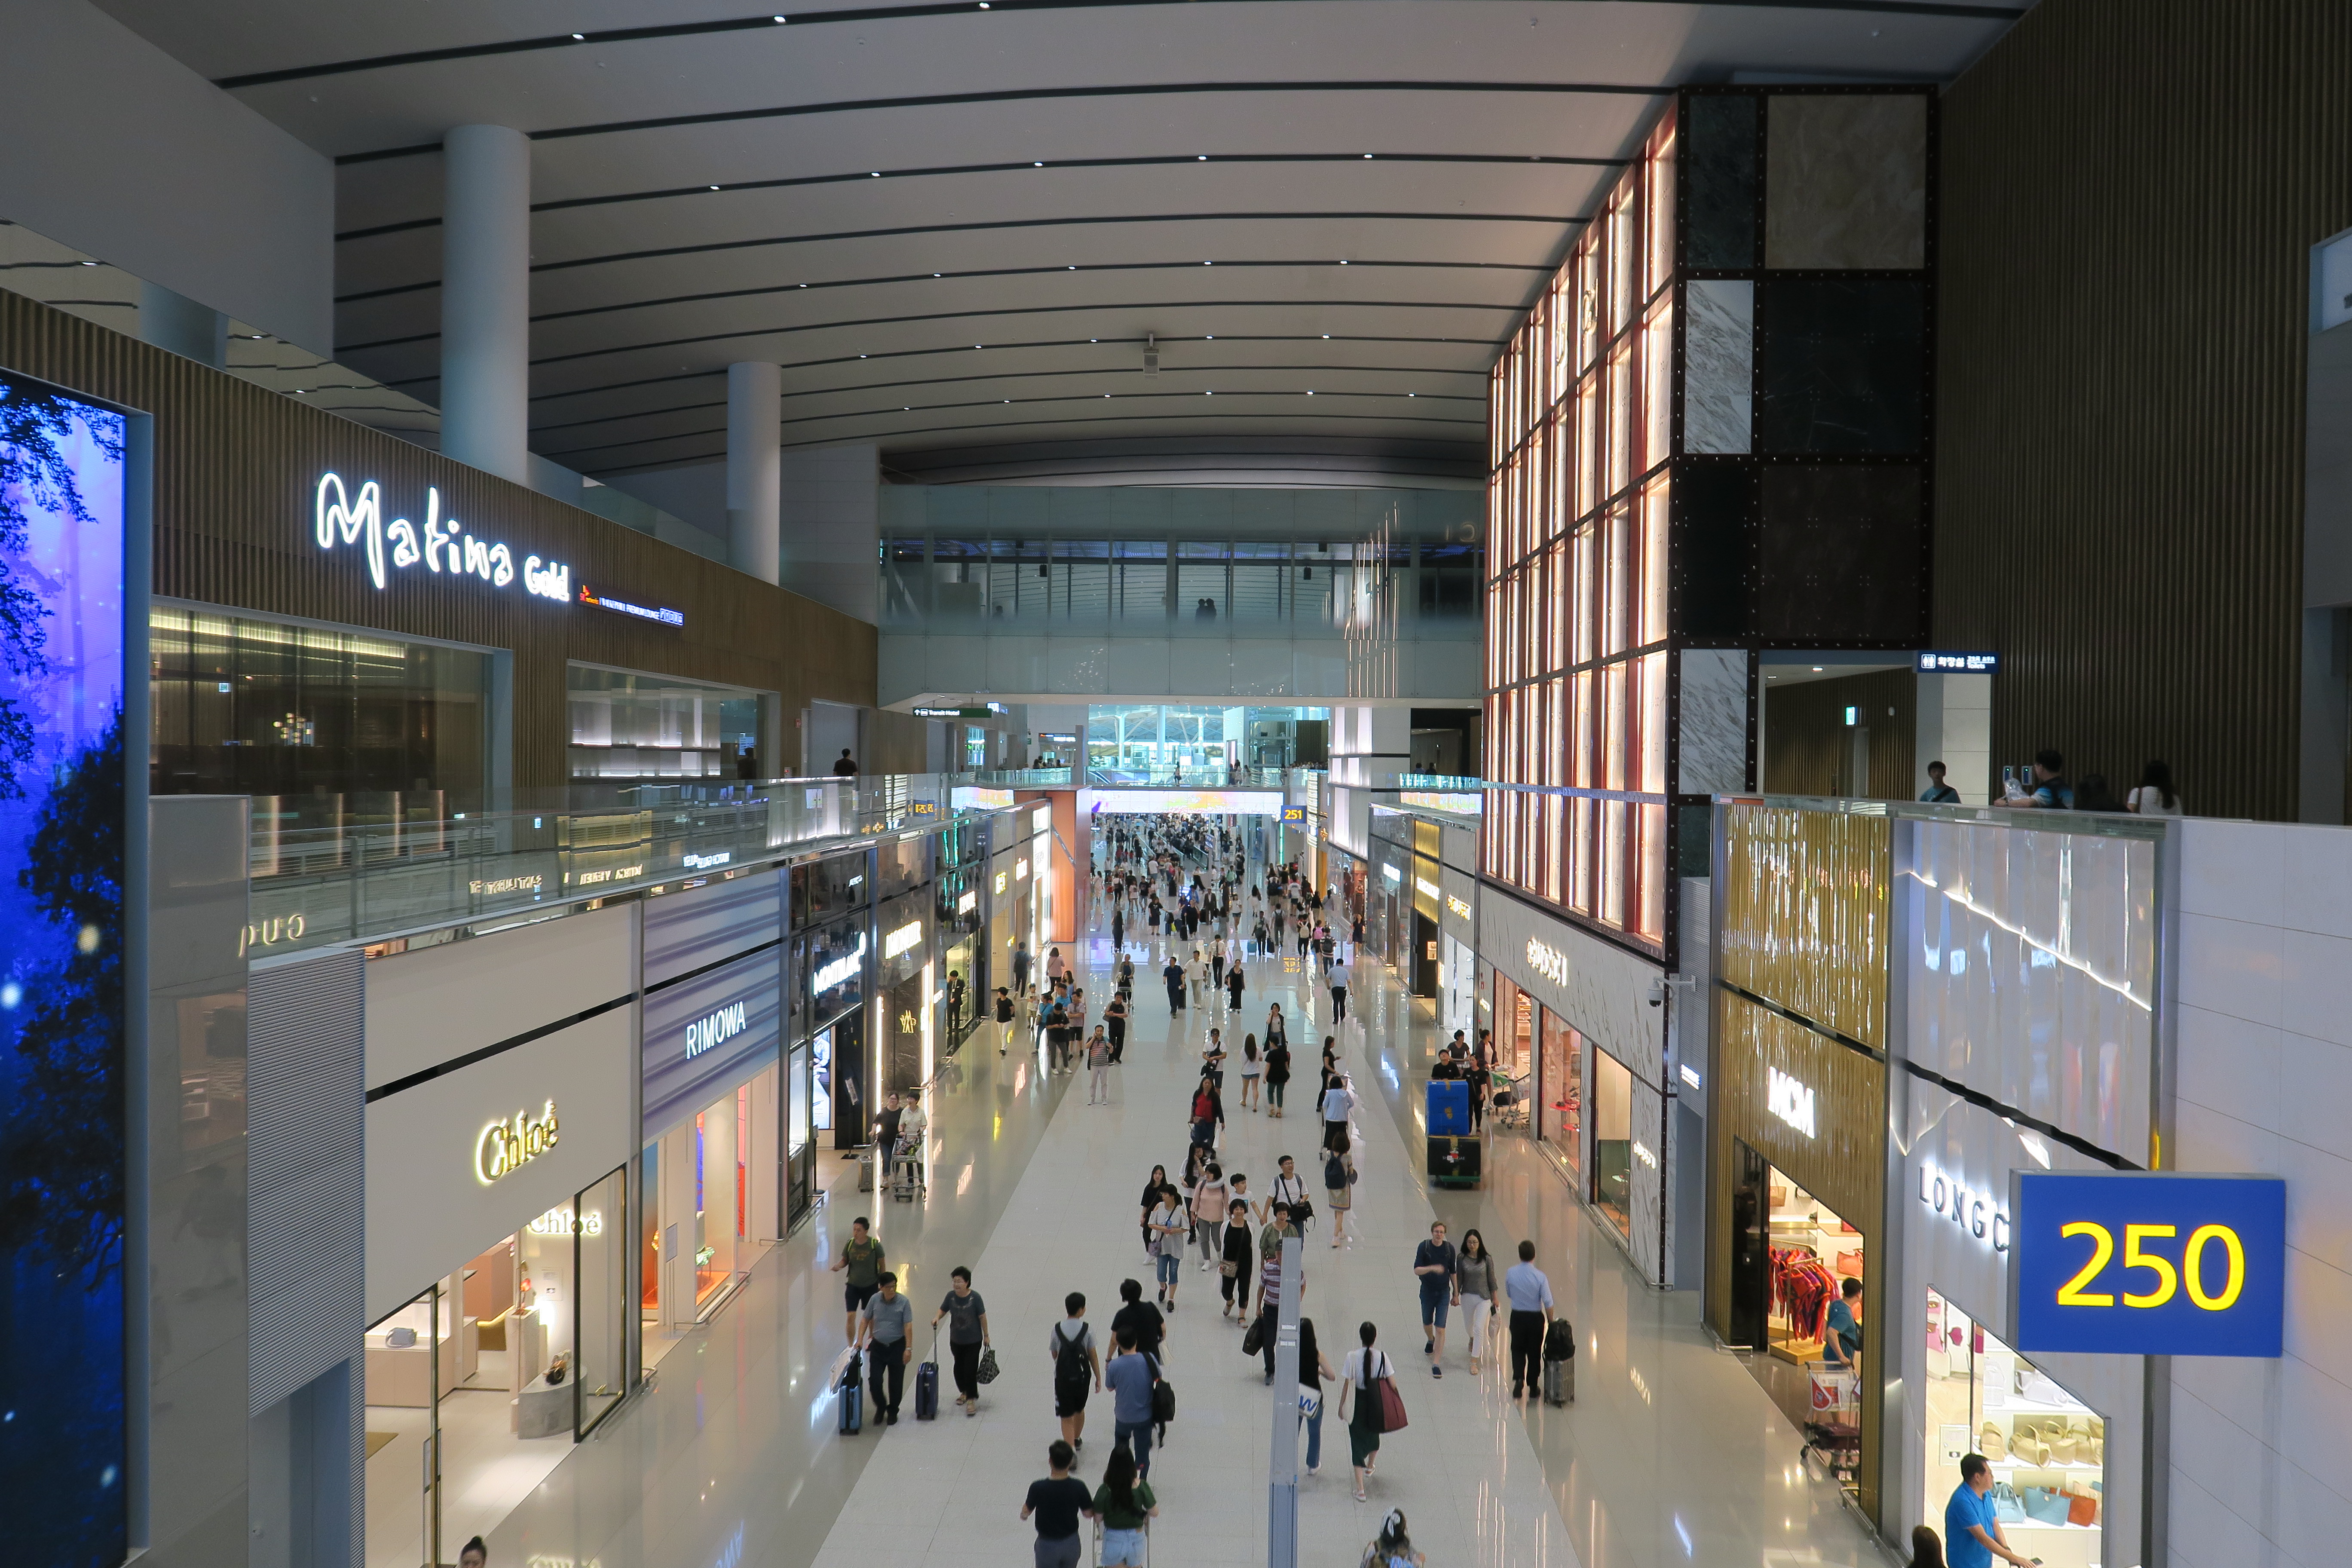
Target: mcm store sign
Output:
[(343, 520)]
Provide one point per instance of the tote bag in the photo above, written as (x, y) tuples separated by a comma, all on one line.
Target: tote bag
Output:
[(1391, 1404)]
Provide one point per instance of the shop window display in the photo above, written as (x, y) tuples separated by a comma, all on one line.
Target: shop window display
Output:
[(536, 1323), (1611, 1190), (640, 728), (2046, 1449), (1563, 1091)]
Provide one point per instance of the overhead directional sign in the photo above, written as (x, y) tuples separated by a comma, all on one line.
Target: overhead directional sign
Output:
[(2148, 1262)]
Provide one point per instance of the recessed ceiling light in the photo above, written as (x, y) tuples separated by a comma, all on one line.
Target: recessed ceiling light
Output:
[(1368, 155), (861, 356), (875, 175), (580, 37), (1817, 670), (934, 275), (1310, 391), (1326, 337), (1208, 395), (1094, 339), (90, 264), (1203, 157), (1412, 395), (714, 187), (1074, 269), (804, 285), (1036, 165), (1213, 337), (1343, 264), (1208, 264), (975, 346)]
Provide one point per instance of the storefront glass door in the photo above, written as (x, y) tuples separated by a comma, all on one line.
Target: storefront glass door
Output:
[(404, 1379), (1612, 1141), (600, 1349), (1561, 1105)]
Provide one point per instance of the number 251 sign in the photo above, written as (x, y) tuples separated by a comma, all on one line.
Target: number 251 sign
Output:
[(2131, 1263)]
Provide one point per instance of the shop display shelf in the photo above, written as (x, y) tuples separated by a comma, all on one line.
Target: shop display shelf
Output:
[(2026, 1407), (2076, 1468)]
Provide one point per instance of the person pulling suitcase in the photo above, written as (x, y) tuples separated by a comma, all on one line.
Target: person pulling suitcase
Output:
[(1559, 1363)]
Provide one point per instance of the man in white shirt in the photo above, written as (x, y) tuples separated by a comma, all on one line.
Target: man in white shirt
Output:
[(1334, 1116), (1339, 991)]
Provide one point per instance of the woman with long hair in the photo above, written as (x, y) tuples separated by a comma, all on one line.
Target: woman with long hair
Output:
[(1927, 1551), (2154, 796), (1360, 1376), (1237, 1255), (1124, 1502), (1392, 1548), (1253, 1064), (1474, 1278)]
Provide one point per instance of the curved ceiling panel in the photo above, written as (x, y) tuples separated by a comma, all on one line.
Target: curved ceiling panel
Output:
[(955, 225)]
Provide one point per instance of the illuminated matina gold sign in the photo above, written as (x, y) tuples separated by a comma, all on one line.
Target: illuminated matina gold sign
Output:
[(506, 1146)]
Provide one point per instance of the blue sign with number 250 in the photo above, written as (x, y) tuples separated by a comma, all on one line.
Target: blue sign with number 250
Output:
[(2148, 1262)]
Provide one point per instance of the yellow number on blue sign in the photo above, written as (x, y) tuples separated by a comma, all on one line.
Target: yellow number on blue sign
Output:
[(2102, 1248), (2168, 1279)]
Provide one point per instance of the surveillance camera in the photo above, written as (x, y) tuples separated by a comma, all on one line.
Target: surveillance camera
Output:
[(1657, 992)]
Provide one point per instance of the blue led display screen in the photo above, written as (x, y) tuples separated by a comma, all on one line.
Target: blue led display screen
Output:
[(63, 789)]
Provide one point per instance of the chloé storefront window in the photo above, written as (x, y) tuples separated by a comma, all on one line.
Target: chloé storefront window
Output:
[(478, 1387)]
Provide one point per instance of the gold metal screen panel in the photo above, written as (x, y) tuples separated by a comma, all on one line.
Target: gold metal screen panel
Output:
[(1805, 914)]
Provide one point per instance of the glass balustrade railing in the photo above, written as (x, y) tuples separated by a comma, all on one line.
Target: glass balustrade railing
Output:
[(315, 886)]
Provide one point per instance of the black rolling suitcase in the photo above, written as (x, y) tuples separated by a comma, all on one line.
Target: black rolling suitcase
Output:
[(927, 1386), (1454, 1161), (1558, 1362), (852, 1399)]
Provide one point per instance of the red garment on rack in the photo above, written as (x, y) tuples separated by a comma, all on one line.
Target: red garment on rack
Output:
[(1802, 1288)]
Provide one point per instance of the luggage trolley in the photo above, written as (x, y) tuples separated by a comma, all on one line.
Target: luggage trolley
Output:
[(906, 1177), (1507, 1106)]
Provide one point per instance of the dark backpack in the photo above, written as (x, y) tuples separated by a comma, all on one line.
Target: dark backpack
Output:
[(1069, 1358), (1334, 1174), (1559, 1342)]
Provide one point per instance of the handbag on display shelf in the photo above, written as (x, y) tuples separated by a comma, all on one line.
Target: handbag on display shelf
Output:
[(2063, 1447), (2006, 1508), (2028, 1449), (1849, 1264), (1991, 1443), (2042, 1505), (1780, 1196), (2082, 1508), (1846, 1229)]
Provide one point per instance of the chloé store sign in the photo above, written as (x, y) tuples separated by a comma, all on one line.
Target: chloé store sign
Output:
[(343, 520), (506, 1147)]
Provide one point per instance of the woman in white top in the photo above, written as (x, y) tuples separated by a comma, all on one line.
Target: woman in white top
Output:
[(1360, 1378), (1253, 1064), (2154, 795)]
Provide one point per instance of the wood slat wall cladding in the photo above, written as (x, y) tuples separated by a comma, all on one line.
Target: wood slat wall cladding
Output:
[(1806, 742), (2130, 188), (1843, 1164), (235, 471), (1804, 914)]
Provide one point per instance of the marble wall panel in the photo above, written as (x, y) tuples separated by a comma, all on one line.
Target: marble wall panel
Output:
[(1846, 181), (1714, 720), (1719, 172), (1718, 365)]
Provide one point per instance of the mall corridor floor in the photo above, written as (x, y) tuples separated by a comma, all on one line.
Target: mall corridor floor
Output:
[(1671, 1454)]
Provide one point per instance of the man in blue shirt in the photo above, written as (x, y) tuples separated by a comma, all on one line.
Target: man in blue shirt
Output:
[(1938, 792), (2051, 791), (1843, 1342), (1531, 1303), (1972, 1536), (1129, 1377)]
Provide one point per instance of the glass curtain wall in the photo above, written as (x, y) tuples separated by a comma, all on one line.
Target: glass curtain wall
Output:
[(324, 728), (1581, 432), (651, 729), (1151, 738)]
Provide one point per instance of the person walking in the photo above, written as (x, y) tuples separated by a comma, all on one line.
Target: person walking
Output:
[(1129, 1377), (1252, 1068), (1099, 1068), (1208, 1111), (1530, 1294), (1432, 1262), (1139, 1321), (1277, 1026), (1474, 1287), (1123, 1502), (1335, 1113), (1278, 1230), (1213, 1058), (1314, 1372), (1196, 976), (967, 1317), (1338, 981), (1339, 1191), (1118, 927), (1020, 967), (1166, 1224), (1233, 986), (1057, 968), (1153, 1186), (1360, 1376), (884, 1326), (1217, 954), (1392, 1547), (1077, 1369), (1291, 1192), (1236, 1254), (1278, 1076), (1057, 1502), (1172, 977), (1003, 1020), (863, 1258), (1210, 1197), (1115, 1020)]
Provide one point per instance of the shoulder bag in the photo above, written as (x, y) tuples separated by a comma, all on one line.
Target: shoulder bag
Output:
[(1391, 1401)]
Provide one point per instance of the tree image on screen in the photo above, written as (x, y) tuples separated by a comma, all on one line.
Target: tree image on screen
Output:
[(62, 801)]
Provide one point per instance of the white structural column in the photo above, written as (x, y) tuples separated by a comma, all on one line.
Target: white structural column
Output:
[(755, 393), (486, 300)]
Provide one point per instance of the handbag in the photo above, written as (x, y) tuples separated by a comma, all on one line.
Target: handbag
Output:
[(1391, 1405), (1849, 1264), (1254, 1337), (2082, 1508), (2005, 1509), (986, 1370), (1991, 1445), (1310, 1403), (1229, 1268), (2044, 1506)]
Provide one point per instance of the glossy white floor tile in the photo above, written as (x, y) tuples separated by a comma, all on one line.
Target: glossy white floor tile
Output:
[(1671, 1454)]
